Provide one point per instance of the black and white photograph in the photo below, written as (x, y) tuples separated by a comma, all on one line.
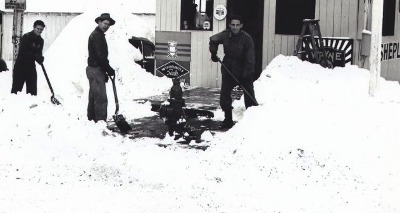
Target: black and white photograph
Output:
[(204, 106)]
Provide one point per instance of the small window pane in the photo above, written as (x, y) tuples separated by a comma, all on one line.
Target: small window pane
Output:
[(389, 13), (197, 14), (290, 14)]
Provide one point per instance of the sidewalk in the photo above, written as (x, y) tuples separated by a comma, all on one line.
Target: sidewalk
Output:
[(197, 98)]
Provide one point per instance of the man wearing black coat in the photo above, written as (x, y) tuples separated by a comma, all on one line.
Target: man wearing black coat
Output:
[(240, 60), (98, 69), (30, 50)]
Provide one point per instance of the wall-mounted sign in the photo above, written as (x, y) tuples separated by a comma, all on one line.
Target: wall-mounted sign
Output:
[(172, 51), (172, 70), (15, 4), (339, 51), (220, 12), (168, 45), (390, 51), (336, 58)]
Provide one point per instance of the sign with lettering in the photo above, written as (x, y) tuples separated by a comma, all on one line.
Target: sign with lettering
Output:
[(335, 57), (173, 55), (390, 51), (15, 4), (172, 70)]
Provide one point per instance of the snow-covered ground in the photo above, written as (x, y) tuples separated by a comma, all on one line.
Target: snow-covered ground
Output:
[(317, 143)]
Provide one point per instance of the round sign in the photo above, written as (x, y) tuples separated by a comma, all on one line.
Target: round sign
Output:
[(220, 12)]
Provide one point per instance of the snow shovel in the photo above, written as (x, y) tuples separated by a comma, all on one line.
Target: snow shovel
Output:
[(53, 99), (237, 81), (118, 118)]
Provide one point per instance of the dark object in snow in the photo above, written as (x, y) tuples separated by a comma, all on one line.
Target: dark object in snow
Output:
[(52, 98), (147, 48), (3, 65), (120, 121), (226, 125), (175, 114)]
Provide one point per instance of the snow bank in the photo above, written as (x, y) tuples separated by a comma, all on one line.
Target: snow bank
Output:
[(66, 61), (318, 141)]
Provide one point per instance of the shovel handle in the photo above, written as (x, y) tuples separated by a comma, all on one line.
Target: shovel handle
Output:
[(115, 94), (47, 79), (237, 81)]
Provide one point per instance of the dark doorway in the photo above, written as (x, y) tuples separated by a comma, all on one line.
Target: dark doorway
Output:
[(252, 13)]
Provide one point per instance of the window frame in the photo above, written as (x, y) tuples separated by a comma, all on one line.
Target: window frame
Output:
[(188, 12)]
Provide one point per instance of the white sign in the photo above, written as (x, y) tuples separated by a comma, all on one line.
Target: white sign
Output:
[(15, 4), (172, 51), (206, 25), (220, 12)]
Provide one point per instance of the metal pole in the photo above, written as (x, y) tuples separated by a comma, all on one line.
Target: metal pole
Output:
[(18, 20)]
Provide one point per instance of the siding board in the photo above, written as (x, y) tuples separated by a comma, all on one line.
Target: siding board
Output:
[(337, 16), (277, 49), (330, 18), (271, 31), (290, 45), (323, 17), (353, 19), (284, 45), (345, 18), (159, 15), (169, 15)]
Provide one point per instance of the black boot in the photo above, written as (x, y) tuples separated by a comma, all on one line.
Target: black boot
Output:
[(228, 122)]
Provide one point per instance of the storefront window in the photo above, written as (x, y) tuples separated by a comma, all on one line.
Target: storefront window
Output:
[(290, 14), (196, 14), (389, 14)]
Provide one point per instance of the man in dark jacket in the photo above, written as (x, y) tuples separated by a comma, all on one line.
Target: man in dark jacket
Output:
[(98, 69), (30, 50), (240, 60)]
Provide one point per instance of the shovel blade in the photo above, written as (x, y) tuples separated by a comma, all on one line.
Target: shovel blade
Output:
[(54, 100), (122, 125)]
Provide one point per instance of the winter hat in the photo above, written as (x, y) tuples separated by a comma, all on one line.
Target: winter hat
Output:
[(105, 16)]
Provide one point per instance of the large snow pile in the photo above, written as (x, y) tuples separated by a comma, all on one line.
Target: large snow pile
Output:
[(66, 61), (317, 142)]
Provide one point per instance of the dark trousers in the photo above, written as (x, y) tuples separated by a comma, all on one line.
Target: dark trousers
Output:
[(22, 75), (97, 106), (228, 83)]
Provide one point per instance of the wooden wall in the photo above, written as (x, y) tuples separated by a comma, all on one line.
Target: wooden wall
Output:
[(54, 22), (203, 72), (337, 19)]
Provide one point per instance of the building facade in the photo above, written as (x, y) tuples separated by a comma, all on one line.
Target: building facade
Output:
[(275, 27)]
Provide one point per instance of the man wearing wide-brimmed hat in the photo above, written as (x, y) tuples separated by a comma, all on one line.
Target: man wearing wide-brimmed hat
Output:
[(98, 69)]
